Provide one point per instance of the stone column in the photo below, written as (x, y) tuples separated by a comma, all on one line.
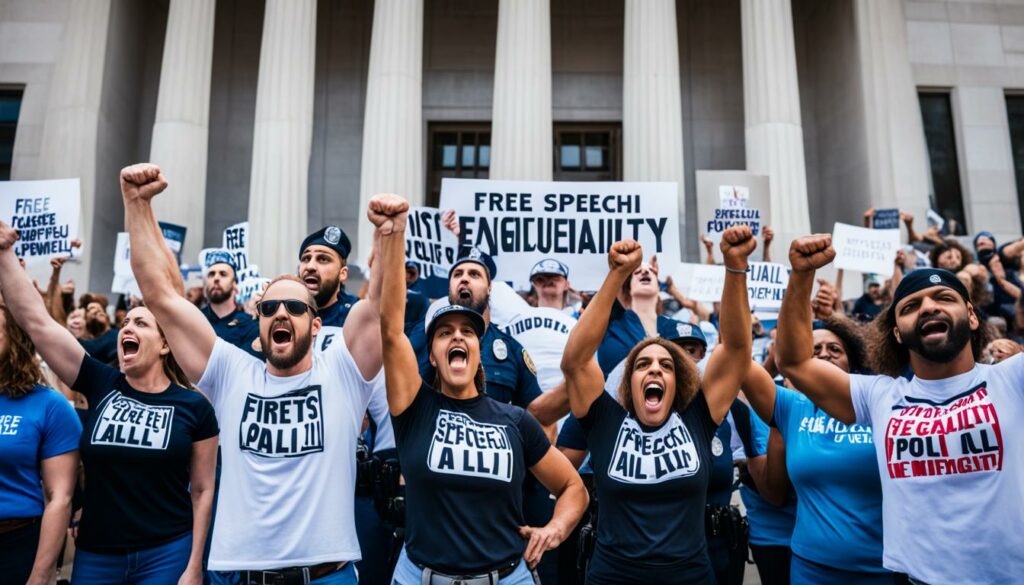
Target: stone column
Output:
[(652, 110), (393, 159), (897, 155), (521, 132), (182, 118), (771, 100), (282, 135), (71, 129)]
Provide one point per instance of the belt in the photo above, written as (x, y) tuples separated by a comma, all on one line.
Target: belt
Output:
[(12, 524), (432, 577), (291, 575)]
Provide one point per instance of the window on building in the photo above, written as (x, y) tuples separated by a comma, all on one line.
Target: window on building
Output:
[(1015, 114), (460, 151), (940, 137), (588, 152), (10, 106)]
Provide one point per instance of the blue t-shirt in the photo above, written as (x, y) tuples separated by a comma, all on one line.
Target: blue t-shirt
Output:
[(834, 471), (770, 525), (35, 427)]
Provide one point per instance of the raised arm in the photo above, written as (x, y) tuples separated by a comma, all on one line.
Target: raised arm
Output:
[(729, 362), (189, 335), (583, 378), (57, 346), (908, 221), (769, 471), (825, 384), (362, 327), (389, 213)]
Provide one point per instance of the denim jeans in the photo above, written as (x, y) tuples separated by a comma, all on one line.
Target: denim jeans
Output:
[(346, 576), (159, 565), (407, 573)]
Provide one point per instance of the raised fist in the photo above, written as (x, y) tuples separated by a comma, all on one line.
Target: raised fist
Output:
[(810, 253), (868, 216), (906, 217), (625, 256), (142, 182), (708, 244), (388, 213), (738, 242), (823, 302), (450, 221), (768, 234), (8, 236)]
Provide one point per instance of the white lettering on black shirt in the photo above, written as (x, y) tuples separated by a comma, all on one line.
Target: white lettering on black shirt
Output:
[(126, 422), (647, 458), (462, 446)]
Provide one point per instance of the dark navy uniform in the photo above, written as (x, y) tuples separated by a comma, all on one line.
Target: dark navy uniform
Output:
[(624, 333), (335, 315), (237, 328)]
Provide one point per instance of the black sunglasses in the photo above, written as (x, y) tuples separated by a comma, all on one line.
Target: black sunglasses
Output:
[(293, 306)]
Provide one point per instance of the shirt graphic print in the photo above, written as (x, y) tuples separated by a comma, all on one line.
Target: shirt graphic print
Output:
[(126, 422), (289, 425), (957, 436), (463, 446), (646, 458)]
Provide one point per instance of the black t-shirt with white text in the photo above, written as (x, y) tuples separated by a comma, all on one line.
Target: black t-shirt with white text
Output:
[(652, 487), (464, 463), (137, 449)]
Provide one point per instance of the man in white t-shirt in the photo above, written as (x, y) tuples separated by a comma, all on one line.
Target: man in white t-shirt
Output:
[(285, 511), (948, 438)]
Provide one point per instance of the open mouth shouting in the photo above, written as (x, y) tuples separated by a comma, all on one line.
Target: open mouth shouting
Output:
[(465, 294), (933, 329), (281, 333), (458, 359), (129, 346), (654, 393), (312, 281)]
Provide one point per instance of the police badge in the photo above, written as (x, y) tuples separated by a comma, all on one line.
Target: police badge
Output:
[(500, 350)]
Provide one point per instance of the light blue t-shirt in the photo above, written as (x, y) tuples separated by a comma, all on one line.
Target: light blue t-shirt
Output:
[(770, 525), (835, 474), (34, 427)]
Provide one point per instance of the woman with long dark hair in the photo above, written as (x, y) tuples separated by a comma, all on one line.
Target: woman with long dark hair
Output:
[(149, 445), (651, 445), (464, 455), (38, 461)]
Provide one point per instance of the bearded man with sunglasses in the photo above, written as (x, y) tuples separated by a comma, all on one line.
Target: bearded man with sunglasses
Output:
[(285, 512)]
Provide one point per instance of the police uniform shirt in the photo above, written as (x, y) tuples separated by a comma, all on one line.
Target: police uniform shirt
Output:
[(104, 347), (237, 328), (623, 333), (464, 463), (137, 449), (511, 375), (652, 484), (335, 315), (288, 469)]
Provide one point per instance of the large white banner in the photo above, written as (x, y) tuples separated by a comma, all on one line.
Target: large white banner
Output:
[(520, 223), (864, 249), (46, 215)]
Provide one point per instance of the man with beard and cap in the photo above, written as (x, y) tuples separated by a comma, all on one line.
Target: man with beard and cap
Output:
[(550, 278), (229, 321), (947, 439), (102, 341), (323, 267), (285, 512)]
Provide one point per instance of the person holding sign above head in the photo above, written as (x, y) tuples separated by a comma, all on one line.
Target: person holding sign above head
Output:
[(831, 466), (651, 447), (149, 444), (464, 454), (946, 440), (229, 321), (285, 508), (323, 267)]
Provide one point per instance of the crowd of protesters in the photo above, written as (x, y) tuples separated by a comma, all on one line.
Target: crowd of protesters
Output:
[(479, 435)]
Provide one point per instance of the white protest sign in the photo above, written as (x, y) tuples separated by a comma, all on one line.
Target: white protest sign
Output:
[(124, 279), (427, 243), (702, 282), (865, 249), (46, 215), (766, 285), (728, 198), (236, 241), (520, 223)]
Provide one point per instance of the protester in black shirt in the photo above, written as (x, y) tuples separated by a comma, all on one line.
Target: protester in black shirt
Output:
[(651, 448), (149, 445), (464, 455)]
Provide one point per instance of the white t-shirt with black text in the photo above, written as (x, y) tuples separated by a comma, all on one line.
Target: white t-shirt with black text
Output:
[(288, 471), (951, 458)]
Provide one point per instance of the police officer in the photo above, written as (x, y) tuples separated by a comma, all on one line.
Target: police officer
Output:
[(229, 321), (550, 279), (323, 266)]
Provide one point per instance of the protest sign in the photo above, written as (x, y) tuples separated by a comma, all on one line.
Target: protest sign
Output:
[(124, 280), (432, 248), (520, 223), (174, 235), (728, 198), (935, 219), (705, 283), (46, 215), (766, 285), (865, 250), (886, 219), (236, 241)]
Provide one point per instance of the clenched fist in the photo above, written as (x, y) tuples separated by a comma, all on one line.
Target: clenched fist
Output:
[(8, 236), (738, 242), (810, 253), (625, 256), (388, 213), (142, 182)]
